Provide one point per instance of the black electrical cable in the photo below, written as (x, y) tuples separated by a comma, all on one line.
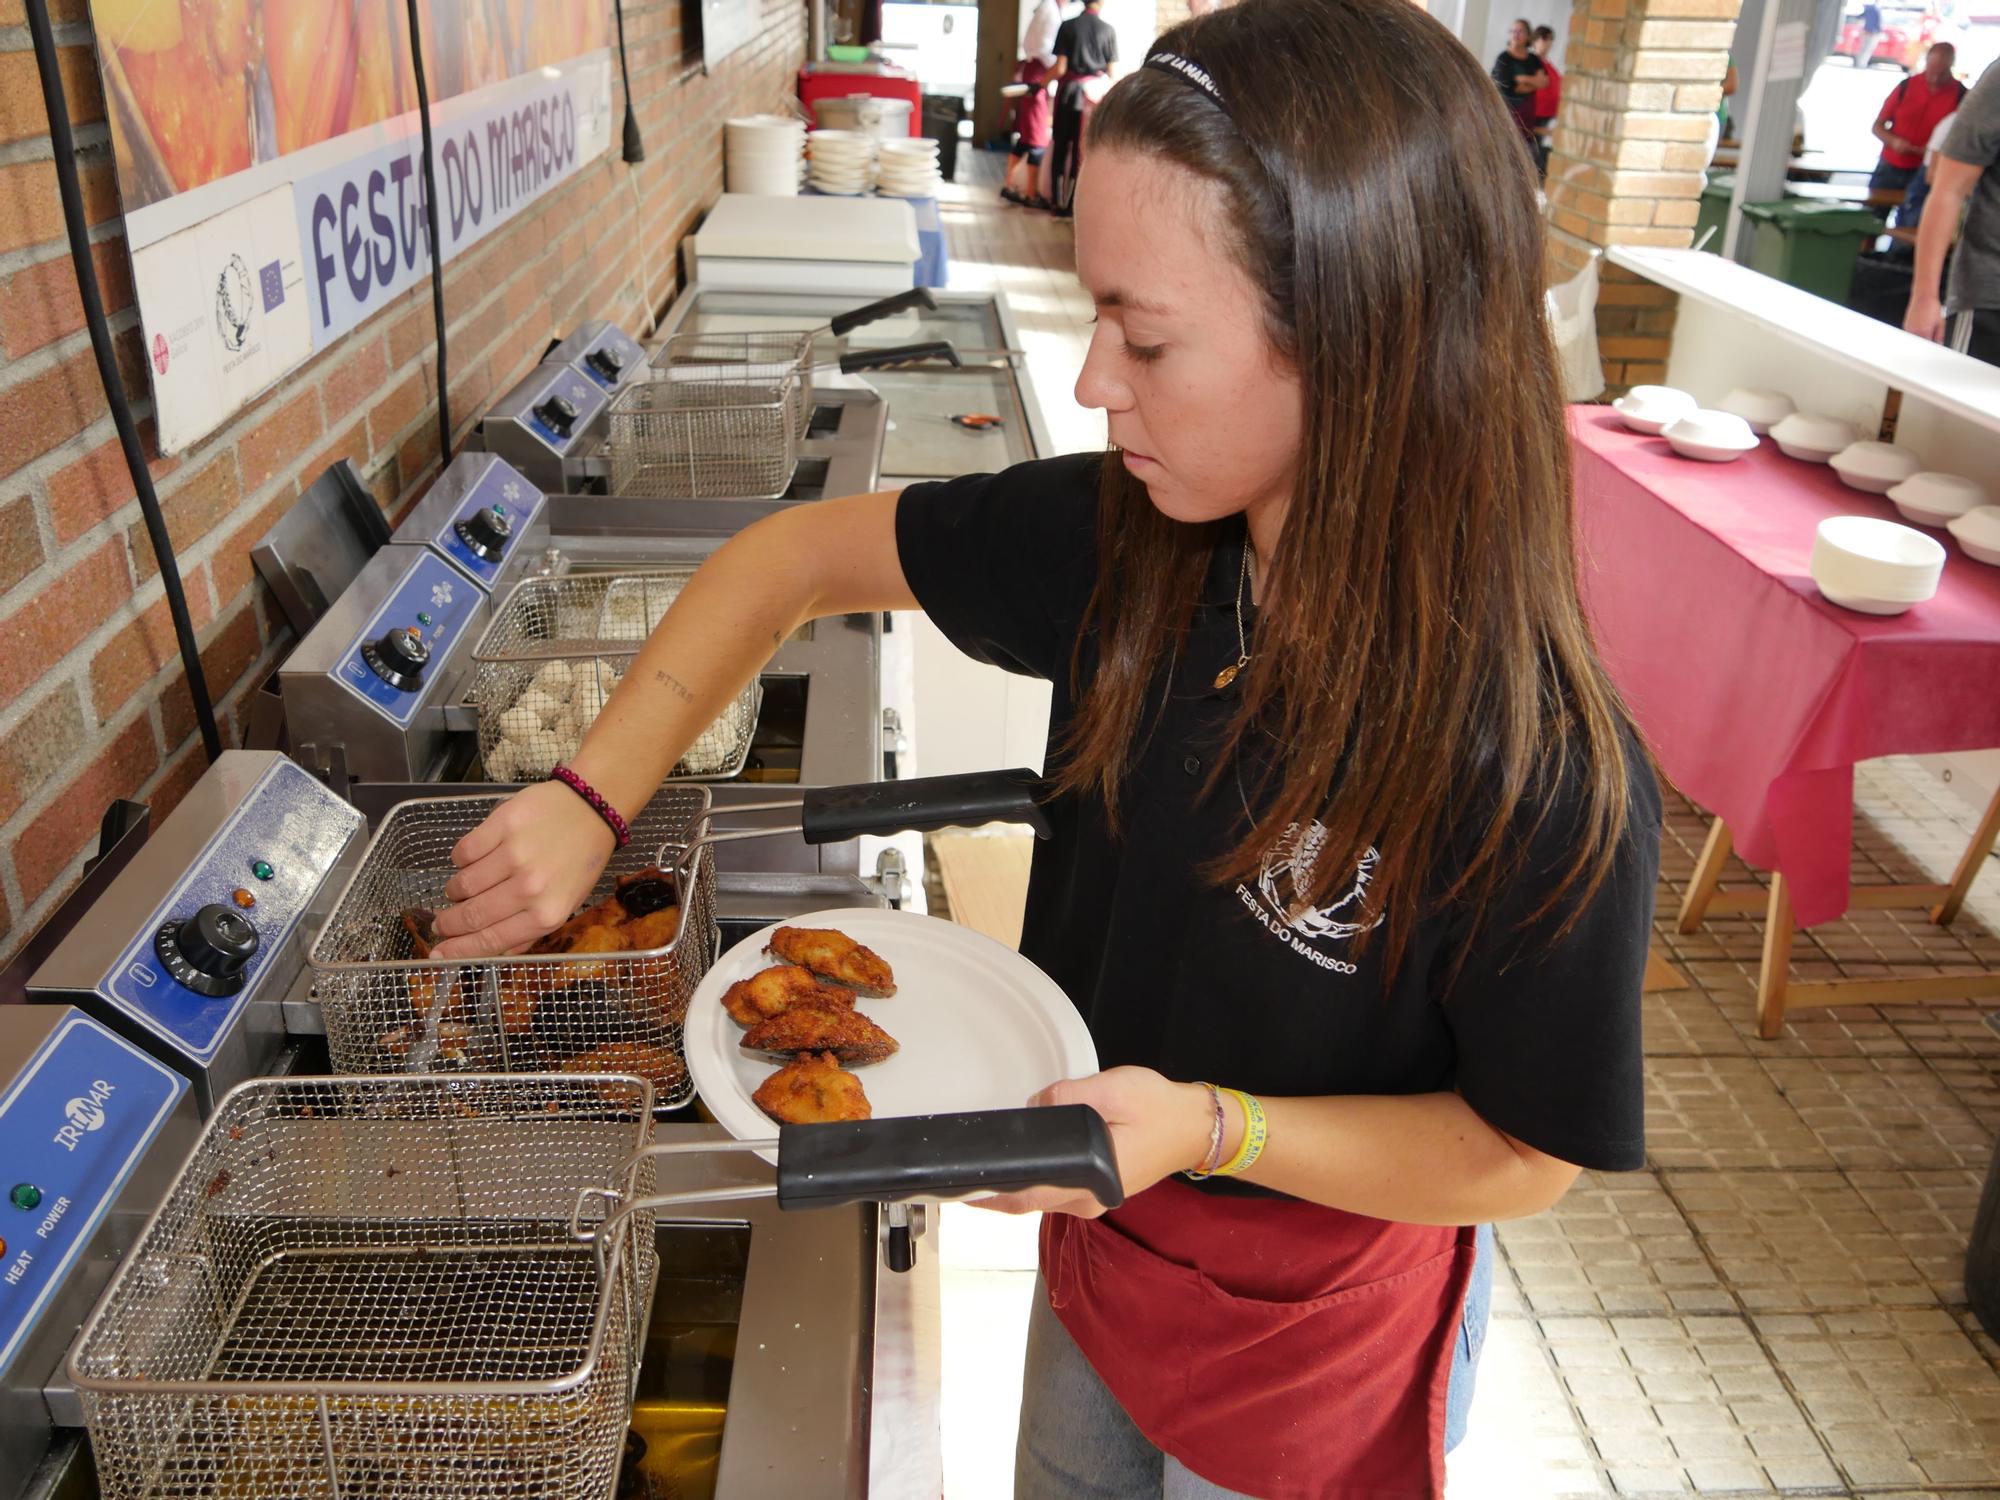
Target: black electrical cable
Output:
[(635, 149), (64, 143), (437, 243)]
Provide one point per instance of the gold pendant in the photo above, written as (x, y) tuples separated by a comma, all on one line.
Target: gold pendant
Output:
[(1228, 674)]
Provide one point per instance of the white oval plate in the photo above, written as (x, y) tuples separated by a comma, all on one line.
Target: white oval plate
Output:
[(979, 1026)]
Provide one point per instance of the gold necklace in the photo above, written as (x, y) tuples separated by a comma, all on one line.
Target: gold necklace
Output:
[(1228, 674)]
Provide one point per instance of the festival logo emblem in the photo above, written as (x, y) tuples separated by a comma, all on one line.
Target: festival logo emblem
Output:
[(233, 294), (1282, 905)]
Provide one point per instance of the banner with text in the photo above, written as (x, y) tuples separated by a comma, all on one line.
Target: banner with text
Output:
[(269, 160)]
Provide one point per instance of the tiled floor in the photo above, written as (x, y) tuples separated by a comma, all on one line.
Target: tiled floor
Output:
[(1775, 1303)]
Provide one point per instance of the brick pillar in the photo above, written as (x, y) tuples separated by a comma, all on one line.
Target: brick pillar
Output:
[(1642, 81)]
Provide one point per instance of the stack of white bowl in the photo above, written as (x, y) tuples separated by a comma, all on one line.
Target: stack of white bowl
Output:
[(908, 168), (843, 161), (1874, 566), (762, 153)]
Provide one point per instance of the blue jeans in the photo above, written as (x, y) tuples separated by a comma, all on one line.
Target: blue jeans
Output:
[(1077, 1443)]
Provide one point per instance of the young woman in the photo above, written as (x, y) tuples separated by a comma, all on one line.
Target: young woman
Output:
[(1348, 822)]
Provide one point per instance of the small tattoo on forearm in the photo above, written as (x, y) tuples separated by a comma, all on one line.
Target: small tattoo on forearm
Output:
[(675, 685)]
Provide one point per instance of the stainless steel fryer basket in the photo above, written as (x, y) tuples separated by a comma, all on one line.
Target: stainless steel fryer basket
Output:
[(370, 1286), (387, 1011), (722, 418), (551, 657)]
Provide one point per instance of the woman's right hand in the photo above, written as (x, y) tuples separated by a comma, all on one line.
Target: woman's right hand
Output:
[(522, 872)]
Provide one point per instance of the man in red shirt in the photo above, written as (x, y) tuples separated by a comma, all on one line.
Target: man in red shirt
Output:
[(1911, 113)]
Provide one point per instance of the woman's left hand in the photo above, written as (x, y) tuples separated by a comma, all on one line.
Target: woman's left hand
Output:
[(1158, 1127)]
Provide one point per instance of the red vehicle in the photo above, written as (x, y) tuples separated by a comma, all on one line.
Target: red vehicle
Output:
[(1906, 36)]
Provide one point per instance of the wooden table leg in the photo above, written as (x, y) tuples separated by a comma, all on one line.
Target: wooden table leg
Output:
[(1715, 852), (1776, 968), (1969, 863)]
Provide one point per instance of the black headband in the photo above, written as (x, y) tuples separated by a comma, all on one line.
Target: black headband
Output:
[(1189, 72)]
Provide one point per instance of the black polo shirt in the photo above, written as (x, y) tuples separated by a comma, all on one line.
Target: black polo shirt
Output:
[(1221, 982), (1089, 42)]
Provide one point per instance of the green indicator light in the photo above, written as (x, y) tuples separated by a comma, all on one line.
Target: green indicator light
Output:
[(499, 510), (422, 618), (25, 1195), (261, 868)]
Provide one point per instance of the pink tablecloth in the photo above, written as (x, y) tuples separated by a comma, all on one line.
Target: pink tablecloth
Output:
[(1757, 695)]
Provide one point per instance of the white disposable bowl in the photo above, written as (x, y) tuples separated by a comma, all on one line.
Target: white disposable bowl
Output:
[(1762, 409), (1876, 567), (1812, 438), (1876, 468), (1934, 499), (1978, 534), (1714, 437), (1651, 409)]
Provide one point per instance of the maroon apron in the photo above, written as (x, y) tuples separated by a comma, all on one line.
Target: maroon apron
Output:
[(1276, 1347)]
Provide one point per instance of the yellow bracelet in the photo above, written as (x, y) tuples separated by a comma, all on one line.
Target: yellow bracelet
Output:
[(1253, 1135)]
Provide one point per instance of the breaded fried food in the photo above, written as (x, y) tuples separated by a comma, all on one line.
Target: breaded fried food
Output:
[(847, 1034), (565, 939), (836, 956), (775, 991), (420, 923), (655, 929), (661, 1065), (812, 1090)]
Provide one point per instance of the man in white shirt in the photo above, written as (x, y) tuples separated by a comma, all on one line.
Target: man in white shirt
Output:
[(1039, 40)]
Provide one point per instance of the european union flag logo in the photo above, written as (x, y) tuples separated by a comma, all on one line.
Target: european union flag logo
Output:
[(272, 279)]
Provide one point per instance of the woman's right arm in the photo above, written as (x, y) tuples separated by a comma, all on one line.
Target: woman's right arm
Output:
[(529, 865)]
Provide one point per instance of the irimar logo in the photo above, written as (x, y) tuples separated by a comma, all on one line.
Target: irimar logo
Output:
[(84, 1113), (1279, 901)]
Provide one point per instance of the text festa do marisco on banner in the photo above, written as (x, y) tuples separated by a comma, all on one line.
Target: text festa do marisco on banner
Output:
[(270, 163)]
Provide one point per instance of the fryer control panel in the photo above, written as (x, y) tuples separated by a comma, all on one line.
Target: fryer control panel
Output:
[(76, 1118), (488, 511), (261, 868), (556, 405), (604, 352), (428, 611)]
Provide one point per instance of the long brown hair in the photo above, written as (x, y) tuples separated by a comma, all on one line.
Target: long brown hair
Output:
[(1420, 658)]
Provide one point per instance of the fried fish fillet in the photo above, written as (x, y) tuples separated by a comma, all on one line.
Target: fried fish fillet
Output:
[(655, 929), (836, 956), (847, 1034), (811, 1090), (565, 939), (775, 991)]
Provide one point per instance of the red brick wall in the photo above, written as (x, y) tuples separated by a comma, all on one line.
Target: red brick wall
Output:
[(93, 701)]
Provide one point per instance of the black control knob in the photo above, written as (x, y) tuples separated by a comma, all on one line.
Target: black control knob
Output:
[(209, 950), (607, 362), (558, 414), (399, 658), (485, 533)]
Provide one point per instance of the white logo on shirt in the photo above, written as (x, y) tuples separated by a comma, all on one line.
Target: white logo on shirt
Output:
[(1279, 903)]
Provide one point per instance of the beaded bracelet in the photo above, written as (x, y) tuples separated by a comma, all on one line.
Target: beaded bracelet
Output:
[(1253, 1135), (1213, 1157), (612, 818)]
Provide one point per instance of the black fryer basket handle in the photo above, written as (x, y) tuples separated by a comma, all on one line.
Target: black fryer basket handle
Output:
[(922, 804), (916, 296), (898, 1159)]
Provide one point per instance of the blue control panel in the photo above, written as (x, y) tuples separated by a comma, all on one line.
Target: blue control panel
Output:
[(435, 600), (611, 358), (264, 863), (491, 484), (567, 383), (76, 1121)]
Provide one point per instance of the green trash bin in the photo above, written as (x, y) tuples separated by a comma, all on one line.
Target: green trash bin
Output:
[(1714, 211), (1809, 243)]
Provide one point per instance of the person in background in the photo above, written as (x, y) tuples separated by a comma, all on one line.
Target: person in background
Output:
[(1038, 42), (1966, 179), (1871, 33), (1910, 115), (1086, 47), (1520, 75), (1548, 98), (1033, 117), (1910, 214)]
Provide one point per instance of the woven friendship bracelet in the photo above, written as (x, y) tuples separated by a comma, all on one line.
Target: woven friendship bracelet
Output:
[(1213, 1157), (612, 818)]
